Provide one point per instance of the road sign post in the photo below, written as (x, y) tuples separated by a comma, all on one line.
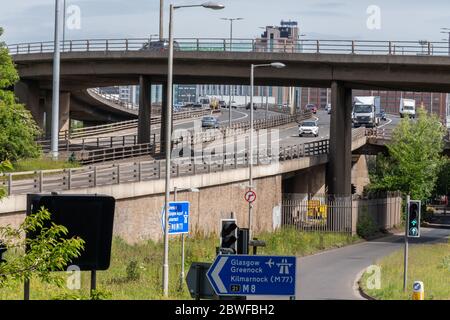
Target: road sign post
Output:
[(246, 275), (178, 217), (412, 230)]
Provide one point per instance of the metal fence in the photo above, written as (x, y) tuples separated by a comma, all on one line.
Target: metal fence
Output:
[(94, 176), (338, 214), (317, 213), (360, 47)]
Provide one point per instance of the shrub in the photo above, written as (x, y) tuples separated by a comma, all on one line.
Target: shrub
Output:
[(366, 226)]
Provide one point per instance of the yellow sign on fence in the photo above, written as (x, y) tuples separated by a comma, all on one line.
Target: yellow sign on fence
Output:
[(316, 210)]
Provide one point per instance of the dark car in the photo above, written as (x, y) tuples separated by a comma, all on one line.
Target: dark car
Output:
[(159, 46), (311, 107), (247, 107)]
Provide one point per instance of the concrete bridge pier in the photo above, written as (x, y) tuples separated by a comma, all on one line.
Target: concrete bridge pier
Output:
[(64, 112), (145, 110), (164, 113), (28, 92), (340, 157)]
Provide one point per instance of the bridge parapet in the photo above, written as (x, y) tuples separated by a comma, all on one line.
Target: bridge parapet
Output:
[(243, 45)]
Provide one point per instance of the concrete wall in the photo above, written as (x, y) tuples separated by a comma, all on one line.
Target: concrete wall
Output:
[(360, 173), (139, 218), (308, 181)]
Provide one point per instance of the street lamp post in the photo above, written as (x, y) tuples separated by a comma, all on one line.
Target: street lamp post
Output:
[(56, 74), (231, 49), (168, 124), (447, 31), (277, 65), (161, 20)]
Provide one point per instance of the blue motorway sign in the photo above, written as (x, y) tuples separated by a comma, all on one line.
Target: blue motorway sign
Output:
[(244, 275), (178, 217)]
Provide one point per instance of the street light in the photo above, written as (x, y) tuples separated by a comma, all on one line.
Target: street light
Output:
[(276, 65), (56, 75), (231, 48), (168, 124)]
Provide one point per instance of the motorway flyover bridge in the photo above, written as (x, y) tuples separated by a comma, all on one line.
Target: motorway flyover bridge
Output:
[(339, 64)]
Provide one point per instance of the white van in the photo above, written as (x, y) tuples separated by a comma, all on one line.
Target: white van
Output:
[(407, 108)]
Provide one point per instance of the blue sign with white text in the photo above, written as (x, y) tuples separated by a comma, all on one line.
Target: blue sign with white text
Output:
[(178, 217), (244, 275)]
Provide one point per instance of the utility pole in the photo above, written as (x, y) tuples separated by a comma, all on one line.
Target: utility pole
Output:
[(231, 49), (56, 74), (161, 20)]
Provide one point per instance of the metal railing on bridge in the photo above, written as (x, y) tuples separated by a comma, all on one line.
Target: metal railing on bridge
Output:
[(102, 175), (416, 48)]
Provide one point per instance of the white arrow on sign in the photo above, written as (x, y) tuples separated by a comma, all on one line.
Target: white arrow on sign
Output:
[(215, 274)]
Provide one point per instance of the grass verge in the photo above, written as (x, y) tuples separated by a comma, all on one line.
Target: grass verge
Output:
[(427, 263), (136, 270), (42, 164)]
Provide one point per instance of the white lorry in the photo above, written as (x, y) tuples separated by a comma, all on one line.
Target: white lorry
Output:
[(407, 108), (366, 111)]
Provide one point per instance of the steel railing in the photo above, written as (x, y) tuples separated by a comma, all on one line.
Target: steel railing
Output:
[(94, 176), (416, 48)]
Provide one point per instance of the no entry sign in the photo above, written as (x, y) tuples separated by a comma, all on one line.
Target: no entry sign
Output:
[(250, 196)]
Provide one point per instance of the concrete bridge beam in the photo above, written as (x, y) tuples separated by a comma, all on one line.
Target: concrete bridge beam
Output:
[(340, 157), (144, 123)]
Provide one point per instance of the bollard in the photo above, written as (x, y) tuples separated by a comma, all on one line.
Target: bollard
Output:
[(418, 291)]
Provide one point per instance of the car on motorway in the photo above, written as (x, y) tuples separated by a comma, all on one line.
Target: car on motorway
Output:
[(247, 107), (233, 105), (222, 104), (210, 122), (159, 46), (383, 115), (328, 108), (311, 107), (309, 127), (197, 105)]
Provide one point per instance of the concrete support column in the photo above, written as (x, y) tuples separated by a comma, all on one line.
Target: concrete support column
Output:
[(28, 93), (340, 157), (64, 112), (145, 113), (164, 111)]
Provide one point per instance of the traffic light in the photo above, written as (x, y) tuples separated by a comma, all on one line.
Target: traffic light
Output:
[(413, 220), (3, 249), (229, 235)]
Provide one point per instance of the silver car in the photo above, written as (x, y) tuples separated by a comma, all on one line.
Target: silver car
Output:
[(210, 122)]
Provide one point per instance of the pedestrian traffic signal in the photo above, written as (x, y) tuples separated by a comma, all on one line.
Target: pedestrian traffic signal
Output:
[(413, 220), (3, 249), (229, 235)]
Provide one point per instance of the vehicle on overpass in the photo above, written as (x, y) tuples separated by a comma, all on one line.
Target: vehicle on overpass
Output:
[(366, 111), (210, 122), (311, 107), (407, 108), (233, 105), (159, 46), (309, 127), (247, 107), (205, 102)]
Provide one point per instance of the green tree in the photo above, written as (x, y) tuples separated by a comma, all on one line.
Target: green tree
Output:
[(18, 130), (443, 181), (414, 158), (48, 251)]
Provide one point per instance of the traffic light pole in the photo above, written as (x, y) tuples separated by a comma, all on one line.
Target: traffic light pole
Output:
[(405, 268)]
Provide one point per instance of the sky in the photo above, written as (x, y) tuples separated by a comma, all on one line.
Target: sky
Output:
[(33, 20)]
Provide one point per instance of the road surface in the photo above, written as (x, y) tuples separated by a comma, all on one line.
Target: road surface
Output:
[(332, 274)]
